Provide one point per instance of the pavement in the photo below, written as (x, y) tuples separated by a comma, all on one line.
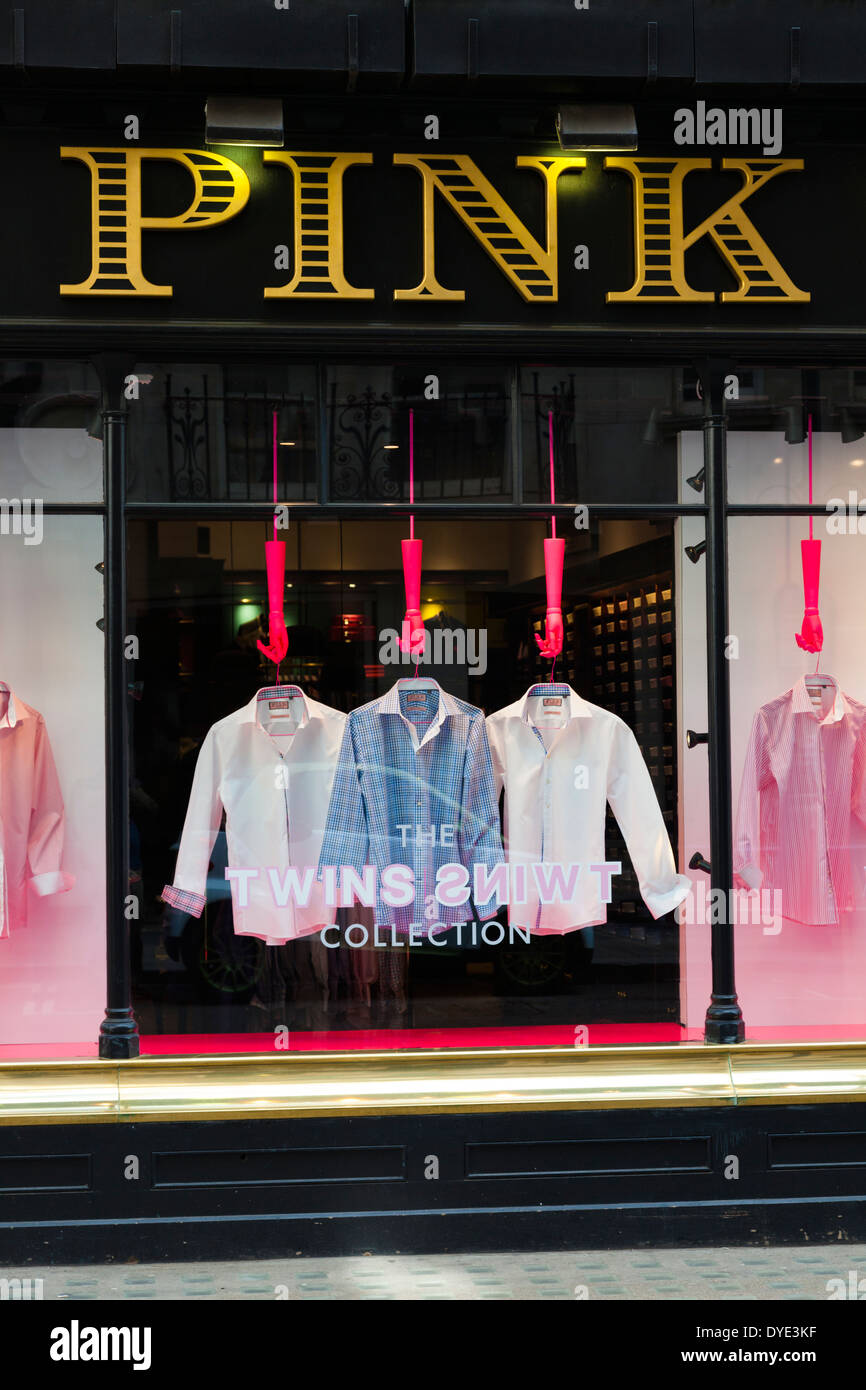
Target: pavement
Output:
[(778, 1273)]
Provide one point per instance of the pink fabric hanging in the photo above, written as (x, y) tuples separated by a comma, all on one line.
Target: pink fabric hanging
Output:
[(413, 633), (278, 643), (554, 559), (810, 638), (275, 561)]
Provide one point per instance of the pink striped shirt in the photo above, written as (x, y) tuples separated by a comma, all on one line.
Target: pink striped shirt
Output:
[(31, 813), (803, 778)]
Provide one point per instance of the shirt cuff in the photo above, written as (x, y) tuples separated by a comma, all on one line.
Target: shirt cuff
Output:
[(660, 903), (184, 901), (55, 882), (751, 875)]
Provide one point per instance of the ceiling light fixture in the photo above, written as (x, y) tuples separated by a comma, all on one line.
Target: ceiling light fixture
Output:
[(652, 433), (795, 429)]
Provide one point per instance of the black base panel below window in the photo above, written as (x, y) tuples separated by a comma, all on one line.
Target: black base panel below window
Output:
[(314, 1187)]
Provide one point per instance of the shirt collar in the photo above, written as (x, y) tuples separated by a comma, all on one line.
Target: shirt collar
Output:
[(13, 714), (446, 705), (275, 692), (802, 703), (577, 708)]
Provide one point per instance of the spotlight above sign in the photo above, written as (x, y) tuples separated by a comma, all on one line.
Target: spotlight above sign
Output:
[(255, 121), (590, 127)]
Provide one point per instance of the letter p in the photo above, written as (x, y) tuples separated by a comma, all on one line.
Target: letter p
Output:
[(220, 189)]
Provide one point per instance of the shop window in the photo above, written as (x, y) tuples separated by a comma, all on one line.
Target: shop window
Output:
[(462, 432), (206, 433), (615, 431), (52, 719), (50, 431), (210, 971)]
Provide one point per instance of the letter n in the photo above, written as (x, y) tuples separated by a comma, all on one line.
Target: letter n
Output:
[(220, 190), (318, 260), (660, 241), (531, 267)]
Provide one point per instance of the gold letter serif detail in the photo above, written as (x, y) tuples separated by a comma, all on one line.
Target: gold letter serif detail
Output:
[(531, 268), (318, 258), (221, 190), (660, 242)]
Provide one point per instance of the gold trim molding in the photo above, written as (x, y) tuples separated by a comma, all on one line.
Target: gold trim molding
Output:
[(307, 1084)]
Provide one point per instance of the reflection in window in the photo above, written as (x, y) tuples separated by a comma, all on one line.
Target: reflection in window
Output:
[(205, 433), (462, 433), (615, 431)]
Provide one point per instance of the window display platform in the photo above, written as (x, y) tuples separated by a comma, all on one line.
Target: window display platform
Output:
[(411, 1039)]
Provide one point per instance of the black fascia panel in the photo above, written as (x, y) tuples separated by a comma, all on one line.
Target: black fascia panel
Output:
[(780, 43), (552, 41), (366, 37), (58, 34)]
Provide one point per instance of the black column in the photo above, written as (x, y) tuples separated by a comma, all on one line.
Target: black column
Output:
[(118, 1033), (724, 1022)]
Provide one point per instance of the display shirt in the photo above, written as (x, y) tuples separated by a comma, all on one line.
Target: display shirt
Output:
[(31, 813), (560, 760), (804, 774), (270, 767), (414, 788)]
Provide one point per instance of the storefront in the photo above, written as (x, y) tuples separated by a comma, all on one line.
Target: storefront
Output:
[(494, 946)]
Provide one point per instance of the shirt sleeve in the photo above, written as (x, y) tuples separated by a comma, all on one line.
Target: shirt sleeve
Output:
[(347, 838), (858, 778), (747, 822), (200, 829), (633, 801), (480, 836), (496, 741), (47, 823)]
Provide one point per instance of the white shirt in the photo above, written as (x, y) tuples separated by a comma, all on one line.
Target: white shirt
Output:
[(560, 761), (271, 767)]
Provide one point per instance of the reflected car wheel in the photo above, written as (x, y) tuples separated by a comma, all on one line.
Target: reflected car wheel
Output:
[(225, 967), (546, 964)]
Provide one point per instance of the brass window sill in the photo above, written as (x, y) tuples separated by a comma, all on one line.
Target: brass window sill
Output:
[(444, 1082)]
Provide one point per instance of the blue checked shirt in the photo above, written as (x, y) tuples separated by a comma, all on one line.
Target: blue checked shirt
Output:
[(418, 759)]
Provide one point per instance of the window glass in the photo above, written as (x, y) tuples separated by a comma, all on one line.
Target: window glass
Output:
[(206, 433), (768, 464), (462, 432), (615, 431), (50, 435), (52, 797), (797, 678), (210, 967)]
